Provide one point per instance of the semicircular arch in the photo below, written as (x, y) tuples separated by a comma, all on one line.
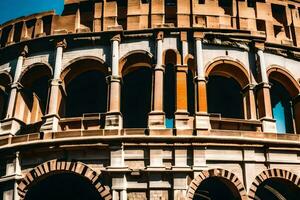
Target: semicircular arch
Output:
[(285, 78), (217, 172), (54, 166), (272, 173), (228, 67)]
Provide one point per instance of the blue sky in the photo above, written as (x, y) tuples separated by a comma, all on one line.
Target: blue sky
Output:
[(10, 9)]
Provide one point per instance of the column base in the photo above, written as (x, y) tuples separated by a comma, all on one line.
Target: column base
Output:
[(182, 120), (50, 123), (10, 126), (268, 125), (113, 120), (202, 121), (156, 120)]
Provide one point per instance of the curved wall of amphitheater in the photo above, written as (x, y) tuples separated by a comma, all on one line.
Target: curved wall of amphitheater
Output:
[(150, 99)]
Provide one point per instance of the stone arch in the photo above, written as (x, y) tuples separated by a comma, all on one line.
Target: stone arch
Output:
[(172, 56), (216, 173), (35, 69), (73, 68), (228, 67), (54, 166), (272, 173), (284, 77), (133, 60)]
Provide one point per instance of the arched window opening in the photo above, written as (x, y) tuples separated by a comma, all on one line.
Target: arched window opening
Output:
[(191, 92), (224, 97), (35, 84), (169, 95), (277, 188), (217, 188), (136, 98), (63, 186), (171, 12), (86, 93), (282, 108)]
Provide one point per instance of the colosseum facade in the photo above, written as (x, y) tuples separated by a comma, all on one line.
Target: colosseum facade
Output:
[(152, 99)]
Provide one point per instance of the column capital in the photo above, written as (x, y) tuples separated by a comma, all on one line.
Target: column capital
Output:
[(182, 68), (199, 35), (158, 67), (160, 35), (112, 78), (200, 79), (116, 38), (16, 85), (248, 87), (262, 85), (61, 43)]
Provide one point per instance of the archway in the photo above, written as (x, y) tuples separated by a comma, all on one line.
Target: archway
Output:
[(216, 188), (136, 98), (226, 80), (275, 184), (63, 186), (86, 88), (224, 97), (34, 94), (171, 59), (5, 81), (136, 89), (216, 184), (284, 88), (55, 173)]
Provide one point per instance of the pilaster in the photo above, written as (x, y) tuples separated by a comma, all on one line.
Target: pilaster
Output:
[(51, 119), (156, 118), (113, 118)]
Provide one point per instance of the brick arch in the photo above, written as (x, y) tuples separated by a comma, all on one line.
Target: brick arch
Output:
[(228, 67), (5, 81), (272, 173), (54, 166), (284, 77), (133, 60), (216, 173)]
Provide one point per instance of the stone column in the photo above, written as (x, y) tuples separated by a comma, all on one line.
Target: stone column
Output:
[(202, 118), (157, 115), (12, 124), (296, 105), (113, 118), (263, 94), (249, 102), (52, 117)]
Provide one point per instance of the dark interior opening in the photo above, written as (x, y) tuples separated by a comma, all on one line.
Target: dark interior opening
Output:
[(282, 108), (86, 93), (169, 95), (224, 97), (136, 98), (63, 186), (122, 13), (171, 11), (191, 92), (3, 104), (277, 188), (216, 188)]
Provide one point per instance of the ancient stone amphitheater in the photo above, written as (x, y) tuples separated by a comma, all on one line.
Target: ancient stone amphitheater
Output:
[(152, 99)]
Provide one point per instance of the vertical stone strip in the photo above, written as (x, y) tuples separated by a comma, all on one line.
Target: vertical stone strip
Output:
[(202, 118), (263, 94), (157, 116), (114, 117), (52, 117)]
